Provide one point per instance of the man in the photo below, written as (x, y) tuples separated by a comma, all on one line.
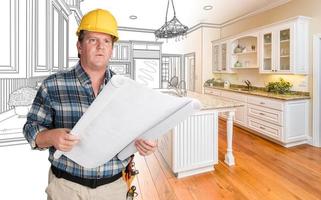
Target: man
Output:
[(61, 101)]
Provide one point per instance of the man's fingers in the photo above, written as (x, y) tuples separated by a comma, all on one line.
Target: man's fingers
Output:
[(66, 130), (146, 144), (142, 146), (150, 143), (70, 142), (142, 151), (72, 137), (67, 145), (65, 148)]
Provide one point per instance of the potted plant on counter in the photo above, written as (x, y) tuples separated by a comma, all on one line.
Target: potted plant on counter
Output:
[(280, 87)]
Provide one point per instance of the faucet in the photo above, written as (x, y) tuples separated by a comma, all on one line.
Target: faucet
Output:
[(182, 91), (248, 84)]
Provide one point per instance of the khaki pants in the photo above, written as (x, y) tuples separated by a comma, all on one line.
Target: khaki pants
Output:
[(62, 189)]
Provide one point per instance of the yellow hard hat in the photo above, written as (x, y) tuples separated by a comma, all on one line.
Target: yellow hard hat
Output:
[(99, 20)]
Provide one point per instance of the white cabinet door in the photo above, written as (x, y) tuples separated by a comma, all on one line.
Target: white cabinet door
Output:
[(267, 51), (241, 115), (241, 112), (221, 52), (121, 52), (265, 128), (276, 47), (216, 55), (284, 47)]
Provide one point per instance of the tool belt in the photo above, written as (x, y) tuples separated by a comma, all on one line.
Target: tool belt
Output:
[(128, 176), (92, 183)]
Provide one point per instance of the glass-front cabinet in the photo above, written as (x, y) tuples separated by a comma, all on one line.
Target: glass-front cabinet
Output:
[(276, 50), (267, 51), (224, 56), (220, 55), (284, 47), (215, 64)]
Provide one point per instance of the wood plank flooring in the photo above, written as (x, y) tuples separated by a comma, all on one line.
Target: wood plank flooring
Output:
[(263, 170)]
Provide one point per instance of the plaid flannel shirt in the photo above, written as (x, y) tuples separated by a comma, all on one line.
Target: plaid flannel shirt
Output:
[(60, 102)]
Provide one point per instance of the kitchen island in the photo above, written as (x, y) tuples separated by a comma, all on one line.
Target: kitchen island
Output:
[(192, 146)]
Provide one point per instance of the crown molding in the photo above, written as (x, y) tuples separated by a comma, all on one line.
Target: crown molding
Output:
[(269, 7)]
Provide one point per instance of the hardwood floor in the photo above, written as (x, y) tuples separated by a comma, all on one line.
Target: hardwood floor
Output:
[(263, 170)]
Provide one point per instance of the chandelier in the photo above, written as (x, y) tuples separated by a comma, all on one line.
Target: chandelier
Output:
[(172, 28)]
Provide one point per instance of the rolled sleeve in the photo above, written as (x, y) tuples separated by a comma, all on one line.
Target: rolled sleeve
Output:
[(39, 117)]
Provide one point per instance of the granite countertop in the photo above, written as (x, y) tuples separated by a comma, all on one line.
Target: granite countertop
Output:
[(218, 103), (287, 97)]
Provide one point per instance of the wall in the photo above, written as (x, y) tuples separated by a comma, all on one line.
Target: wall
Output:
[(309, 8), (198, 42), (209, 34), (136, 35)]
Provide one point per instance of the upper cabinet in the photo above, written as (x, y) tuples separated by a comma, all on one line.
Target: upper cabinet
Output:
[(13, 39), (121, 51), (50, 36), (244, 52), (284, 47), (221, 57), (281, 48)]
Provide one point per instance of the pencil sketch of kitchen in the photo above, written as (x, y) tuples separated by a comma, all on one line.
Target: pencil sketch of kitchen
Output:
[(39, 40)]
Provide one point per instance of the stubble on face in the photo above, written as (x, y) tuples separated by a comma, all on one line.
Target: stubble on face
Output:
[(95, 50)]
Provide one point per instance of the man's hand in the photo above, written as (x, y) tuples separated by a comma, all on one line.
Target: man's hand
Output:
[(145, 147), (59, 138)]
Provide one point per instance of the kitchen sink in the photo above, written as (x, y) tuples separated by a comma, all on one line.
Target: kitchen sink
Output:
[(241, 89)]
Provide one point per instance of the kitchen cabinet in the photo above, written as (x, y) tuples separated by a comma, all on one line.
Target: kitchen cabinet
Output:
[(244, 52), (284, 122), (221, 57), (13, 39), (121, 51), (50, 36), (241, 112), (120, 62), (284, 47)]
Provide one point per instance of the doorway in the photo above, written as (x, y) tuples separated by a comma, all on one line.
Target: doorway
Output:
[(190, 71), (172, 66)]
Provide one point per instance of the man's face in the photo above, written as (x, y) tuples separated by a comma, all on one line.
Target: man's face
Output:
[(95, 50)]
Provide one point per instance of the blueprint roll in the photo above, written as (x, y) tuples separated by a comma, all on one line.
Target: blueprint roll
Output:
[(122, 112), (116, 82), (163, 126)]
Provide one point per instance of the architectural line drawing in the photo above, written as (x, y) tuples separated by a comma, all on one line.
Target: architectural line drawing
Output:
[(146, 74), (41, 41)]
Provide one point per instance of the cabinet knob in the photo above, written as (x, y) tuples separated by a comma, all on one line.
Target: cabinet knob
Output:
[(261, 113), (261, 127), (262, 103)]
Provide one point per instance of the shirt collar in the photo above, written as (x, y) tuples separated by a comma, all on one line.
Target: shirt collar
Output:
[(84, 78)]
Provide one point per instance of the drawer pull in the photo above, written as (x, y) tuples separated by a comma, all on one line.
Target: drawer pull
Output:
[(262, 103), (261, 127), (261, 113)]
